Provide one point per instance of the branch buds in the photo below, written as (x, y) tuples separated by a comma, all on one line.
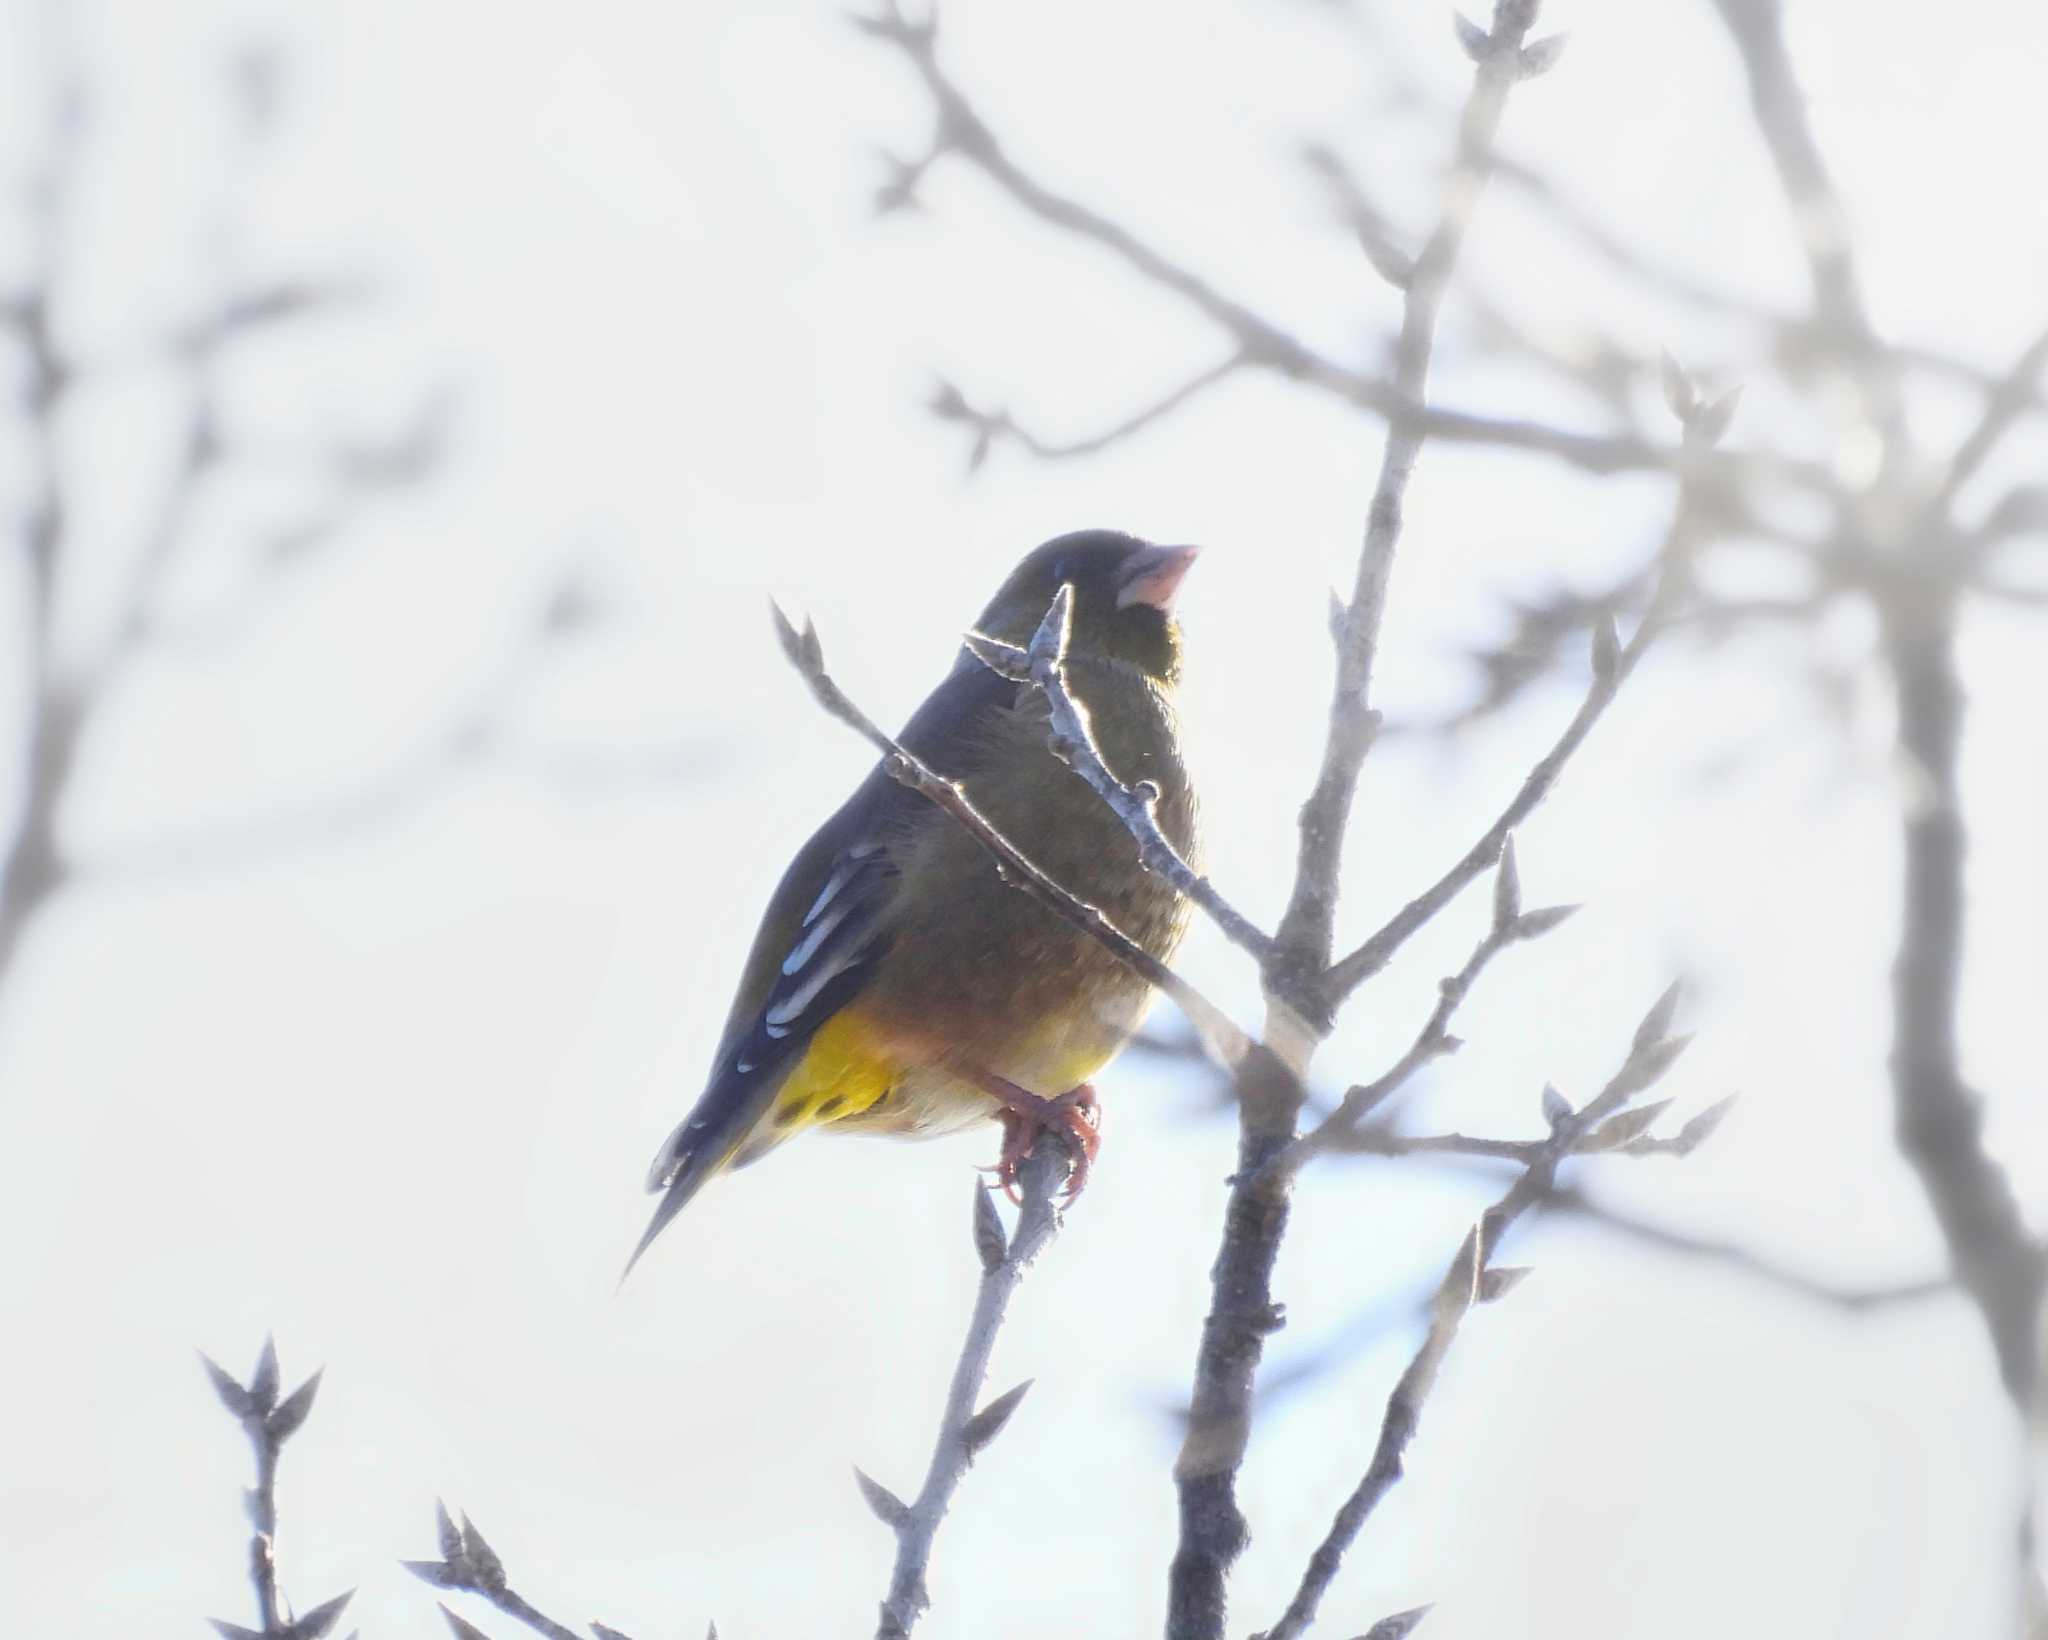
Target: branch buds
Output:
[(1397, 1627), (989, 1240), (887, 1507), (988, 1423), (1507, 890), (1702, 420), (256, 1402), (467, 1561), (1606, 649), (1511, 20)]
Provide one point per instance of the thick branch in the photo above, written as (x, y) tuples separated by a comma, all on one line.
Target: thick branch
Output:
[(964, 1432), (1938, 1116)]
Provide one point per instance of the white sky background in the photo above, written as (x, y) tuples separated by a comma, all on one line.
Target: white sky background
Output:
[(393, 1096)]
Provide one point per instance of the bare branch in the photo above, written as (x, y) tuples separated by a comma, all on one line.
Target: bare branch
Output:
[(1220, 1035), (470, 1564), (1043, 666), (1305, 930), (2010, 397), (964, 1432), (1938, 1116), (1344, 1126), (1213, 1530), (1612, 665), (1260, 342), (1572, 1201), (1463, 1285), (990, 426), (1819, 217), (269, 1422)]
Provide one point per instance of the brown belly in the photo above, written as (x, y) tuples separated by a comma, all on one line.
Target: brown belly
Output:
[(983, 975)]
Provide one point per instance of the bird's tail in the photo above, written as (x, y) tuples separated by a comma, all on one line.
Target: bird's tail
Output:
[(720, 1132), (682, 1167)]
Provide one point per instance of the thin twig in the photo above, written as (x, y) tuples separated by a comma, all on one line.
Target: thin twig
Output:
[(1305, 929), (1224, 1040), (1372, 1320), (1612, 664), (1570, 1200), (1042, 665), (32, 864), (948, 403), (1509, 926), (963, 1431), (470, 1564), (269, 1422), (1819, 215), (2009, 398), (1466, 1282), (1263, 343), (62, 699)]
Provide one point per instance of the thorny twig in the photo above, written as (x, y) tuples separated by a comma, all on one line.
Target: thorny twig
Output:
[(963, 1431), (1605, 1123), (269, 1422)]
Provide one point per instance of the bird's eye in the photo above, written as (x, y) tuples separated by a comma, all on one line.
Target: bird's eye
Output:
[(1062, 570)]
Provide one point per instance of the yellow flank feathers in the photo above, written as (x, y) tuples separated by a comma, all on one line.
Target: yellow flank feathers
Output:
[(842, 1074)]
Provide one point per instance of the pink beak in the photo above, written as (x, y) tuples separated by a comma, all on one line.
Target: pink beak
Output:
[(1154, 576)]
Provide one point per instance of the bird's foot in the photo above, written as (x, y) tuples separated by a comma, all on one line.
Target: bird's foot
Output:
[(1024, 1115)]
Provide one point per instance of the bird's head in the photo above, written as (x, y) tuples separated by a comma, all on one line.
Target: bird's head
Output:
[(1123, 598)]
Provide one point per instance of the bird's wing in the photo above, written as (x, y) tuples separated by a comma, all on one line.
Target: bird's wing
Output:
[(826, 924)]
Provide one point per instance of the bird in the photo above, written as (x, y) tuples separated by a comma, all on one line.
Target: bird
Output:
[(897, 984)]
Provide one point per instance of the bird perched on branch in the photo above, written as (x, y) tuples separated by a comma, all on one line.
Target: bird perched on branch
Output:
[(897, 984)]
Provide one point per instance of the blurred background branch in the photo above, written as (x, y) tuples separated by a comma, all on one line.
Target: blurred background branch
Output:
[(82, 645)]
